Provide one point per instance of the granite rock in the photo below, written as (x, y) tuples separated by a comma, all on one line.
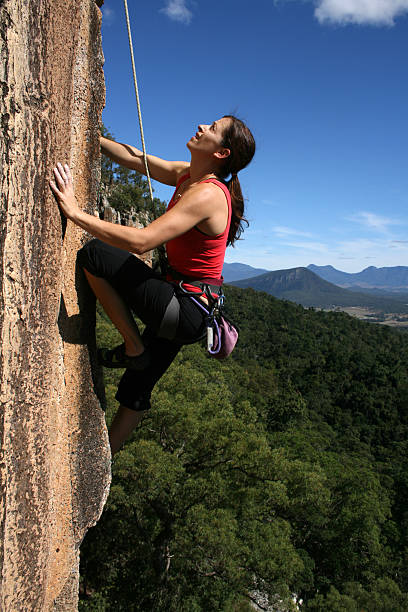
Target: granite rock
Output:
[(55, 458)]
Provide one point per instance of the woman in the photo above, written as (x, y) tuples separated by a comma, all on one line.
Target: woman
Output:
[(204, 215)]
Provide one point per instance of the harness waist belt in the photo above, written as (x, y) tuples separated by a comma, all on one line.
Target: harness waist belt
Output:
[(169, 323), (213, 283)]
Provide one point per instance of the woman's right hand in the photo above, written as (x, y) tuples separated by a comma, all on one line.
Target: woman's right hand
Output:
[(63, 190)]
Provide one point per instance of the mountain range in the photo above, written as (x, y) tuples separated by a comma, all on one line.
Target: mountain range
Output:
[(392, 279), (303, 286), (382, 280), (237, 271)]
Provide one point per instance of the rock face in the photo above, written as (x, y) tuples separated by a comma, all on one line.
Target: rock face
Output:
[(55, 458)]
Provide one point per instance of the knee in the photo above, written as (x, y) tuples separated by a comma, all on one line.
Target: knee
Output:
[(142, 404), (126, 397), (86, 255)]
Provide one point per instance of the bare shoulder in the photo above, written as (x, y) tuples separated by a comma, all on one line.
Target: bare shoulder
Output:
[(181, 168), (204, 197), (207, 191), (212, 192)]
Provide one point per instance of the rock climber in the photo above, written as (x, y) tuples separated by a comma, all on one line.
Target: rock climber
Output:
[(205, 214)]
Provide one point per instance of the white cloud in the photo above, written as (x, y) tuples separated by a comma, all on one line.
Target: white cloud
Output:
[(178, 11), (400, 245), (360, 243), (373, 221), (362, 248), (283, 232), (108, 15), (270, 202), (350, 255), (318, 247), (363, 12)]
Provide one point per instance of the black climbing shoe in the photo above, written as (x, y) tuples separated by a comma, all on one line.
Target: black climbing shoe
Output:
[(117, 358)]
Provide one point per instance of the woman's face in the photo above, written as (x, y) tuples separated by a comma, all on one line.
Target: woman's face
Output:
[(208, 138)]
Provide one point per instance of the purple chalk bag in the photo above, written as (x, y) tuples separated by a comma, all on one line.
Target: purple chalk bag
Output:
[(222, 335)]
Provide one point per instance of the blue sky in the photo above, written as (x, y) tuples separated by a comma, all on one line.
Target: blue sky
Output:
[(324, 89)]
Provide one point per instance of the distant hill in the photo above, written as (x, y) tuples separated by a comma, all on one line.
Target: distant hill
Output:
[(393, 279), (238, 271), (400, 295), (303, 286)]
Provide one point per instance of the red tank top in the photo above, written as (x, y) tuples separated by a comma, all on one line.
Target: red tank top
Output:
[(196, 254)]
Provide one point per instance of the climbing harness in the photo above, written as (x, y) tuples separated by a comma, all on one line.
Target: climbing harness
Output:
[(170, 320), (221, 333)]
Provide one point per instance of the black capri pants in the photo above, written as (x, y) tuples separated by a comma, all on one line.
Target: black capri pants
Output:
[(148, 296)]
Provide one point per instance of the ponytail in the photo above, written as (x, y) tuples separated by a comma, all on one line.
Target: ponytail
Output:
[(239, 140), (237, 210)]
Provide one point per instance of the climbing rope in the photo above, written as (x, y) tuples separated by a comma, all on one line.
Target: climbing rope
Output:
[(160, 249), (138, 104)]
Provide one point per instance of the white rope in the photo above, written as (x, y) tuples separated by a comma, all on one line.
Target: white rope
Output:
[(138, 101)]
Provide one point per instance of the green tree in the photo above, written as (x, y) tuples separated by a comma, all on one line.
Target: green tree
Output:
[(199, 494)]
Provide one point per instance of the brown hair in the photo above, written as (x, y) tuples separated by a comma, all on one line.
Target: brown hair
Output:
[(239, 140)]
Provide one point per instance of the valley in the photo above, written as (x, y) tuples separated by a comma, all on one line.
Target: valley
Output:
[(392, 319)]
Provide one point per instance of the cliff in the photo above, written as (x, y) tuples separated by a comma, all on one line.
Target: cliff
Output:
[(55, 459)]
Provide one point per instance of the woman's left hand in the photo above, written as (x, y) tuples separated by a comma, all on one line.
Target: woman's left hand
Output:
[(63, 190)]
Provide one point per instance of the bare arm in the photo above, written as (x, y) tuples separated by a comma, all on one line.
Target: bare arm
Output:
[(167, 172), (201, 203)]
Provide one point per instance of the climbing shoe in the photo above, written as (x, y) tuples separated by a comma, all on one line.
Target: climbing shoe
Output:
[(117, 358)]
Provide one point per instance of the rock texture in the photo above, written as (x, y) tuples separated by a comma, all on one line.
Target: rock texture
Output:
[(55, 459)]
